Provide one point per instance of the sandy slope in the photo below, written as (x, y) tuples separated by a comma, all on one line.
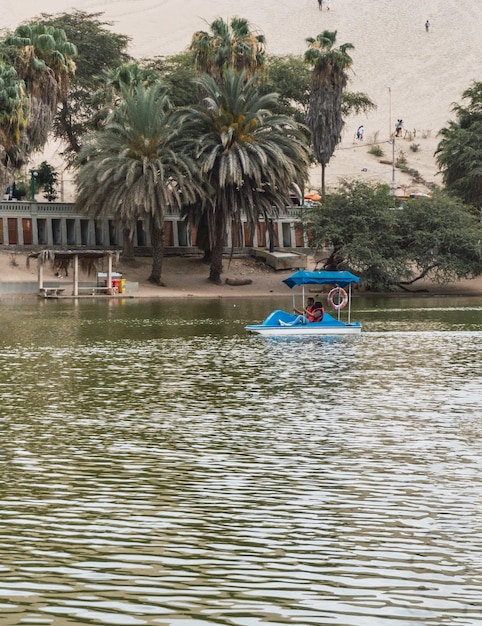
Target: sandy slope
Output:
[(426, 72)]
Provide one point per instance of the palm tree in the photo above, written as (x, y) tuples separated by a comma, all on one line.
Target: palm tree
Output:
[(136, 167), (13, 117), (44, 60), (248, 157), (127, 75), (228, 46), (329, 79), (458, 154)]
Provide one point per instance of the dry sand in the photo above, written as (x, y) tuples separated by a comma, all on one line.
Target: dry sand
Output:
[(186, 277), (407, 72)]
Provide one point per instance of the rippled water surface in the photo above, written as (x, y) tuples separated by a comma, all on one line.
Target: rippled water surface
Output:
[(160, 466)]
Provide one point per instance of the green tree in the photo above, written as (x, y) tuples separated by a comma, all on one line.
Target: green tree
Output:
[(393, 247), (44, 60), (113, 82), (459, 153), (248, 157), (99, 49), (13, 117), (46, 180), (230, 45), (227, 47), (136, 167), (329, 79), (356, 102), (442, 239), (290, 77), (177, 72), (13, 106)]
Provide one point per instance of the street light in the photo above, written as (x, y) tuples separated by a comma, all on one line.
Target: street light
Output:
[(393, 186), (33, 176)]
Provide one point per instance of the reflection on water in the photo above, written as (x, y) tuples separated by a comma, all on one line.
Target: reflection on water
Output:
[(160, 466)]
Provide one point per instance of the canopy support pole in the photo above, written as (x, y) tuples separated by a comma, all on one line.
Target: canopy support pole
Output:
[(349, 303)]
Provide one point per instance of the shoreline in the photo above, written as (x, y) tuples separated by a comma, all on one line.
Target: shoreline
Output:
[(187, 277)]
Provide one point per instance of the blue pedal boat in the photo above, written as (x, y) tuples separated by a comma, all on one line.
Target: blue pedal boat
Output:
[(283, 324)]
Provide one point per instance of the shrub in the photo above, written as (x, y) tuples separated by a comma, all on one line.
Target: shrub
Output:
[(401, 161), (376, 151)]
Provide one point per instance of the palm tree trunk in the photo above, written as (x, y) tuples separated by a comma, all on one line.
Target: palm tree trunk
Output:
[(216, 268), (157, 243), (323, 172), (127, 245)]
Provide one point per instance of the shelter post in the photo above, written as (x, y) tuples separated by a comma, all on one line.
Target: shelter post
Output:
[(75, 262), (40, 273), (109, 273)]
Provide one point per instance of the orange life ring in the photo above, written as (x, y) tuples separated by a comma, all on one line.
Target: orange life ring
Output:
[(342, 298)]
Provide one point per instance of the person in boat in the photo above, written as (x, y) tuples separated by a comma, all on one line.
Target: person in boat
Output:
[(314, 314), (310, 305), (317, 312)]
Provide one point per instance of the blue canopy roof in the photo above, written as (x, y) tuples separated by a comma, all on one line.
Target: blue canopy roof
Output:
[(321, 278)]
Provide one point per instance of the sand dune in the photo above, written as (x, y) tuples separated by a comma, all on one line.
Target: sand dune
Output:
[(408, 73)]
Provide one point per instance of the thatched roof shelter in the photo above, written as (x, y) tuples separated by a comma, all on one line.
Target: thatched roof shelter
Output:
[(86, 260)]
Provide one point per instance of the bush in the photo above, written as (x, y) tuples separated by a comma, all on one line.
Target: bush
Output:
[(401, 161), (376, 150)]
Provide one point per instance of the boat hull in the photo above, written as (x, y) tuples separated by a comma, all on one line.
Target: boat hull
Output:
[(330, 326)]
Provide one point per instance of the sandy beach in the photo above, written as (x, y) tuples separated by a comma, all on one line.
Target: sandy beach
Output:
[(187, 277)]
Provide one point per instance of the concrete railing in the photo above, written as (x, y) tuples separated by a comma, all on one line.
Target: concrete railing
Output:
[(59, 224)]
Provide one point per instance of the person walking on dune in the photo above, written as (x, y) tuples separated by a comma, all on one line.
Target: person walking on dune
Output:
[(320, 5), (427, 26), (328, 4)]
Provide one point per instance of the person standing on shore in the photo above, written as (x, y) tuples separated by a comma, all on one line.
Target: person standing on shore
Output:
[(320, 5), (328, 4), (427, 26)]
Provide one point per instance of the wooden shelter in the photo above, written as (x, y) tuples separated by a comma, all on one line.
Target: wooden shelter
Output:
[(77, 259)]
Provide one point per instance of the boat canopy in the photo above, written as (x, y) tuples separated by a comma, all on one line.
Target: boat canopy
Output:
[(324, 277)]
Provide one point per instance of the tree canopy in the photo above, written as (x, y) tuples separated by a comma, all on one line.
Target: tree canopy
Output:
[(228, 45), (459, 153), (36, 67), (248, 157), (98, 49), (391, 247)]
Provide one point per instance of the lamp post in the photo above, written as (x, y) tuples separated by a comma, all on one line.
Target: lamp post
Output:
[(393, 185), (33, 176)]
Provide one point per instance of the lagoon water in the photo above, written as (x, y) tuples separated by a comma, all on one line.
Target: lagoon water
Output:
[(160, 466)]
